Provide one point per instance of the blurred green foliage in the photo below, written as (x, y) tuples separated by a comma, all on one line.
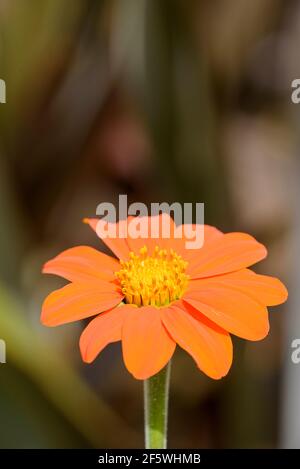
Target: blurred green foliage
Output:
[(151, 99)]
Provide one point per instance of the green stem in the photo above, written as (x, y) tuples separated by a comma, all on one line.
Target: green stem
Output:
[(156, 396)]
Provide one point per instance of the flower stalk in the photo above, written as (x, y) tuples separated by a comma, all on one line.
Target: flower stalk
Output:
[(156, 398)]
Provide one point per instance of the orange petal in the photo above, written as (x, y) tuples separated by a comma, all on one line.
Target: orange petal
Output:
[(268, 291), (210, 233), (209, 345), (231, 309), (158, 230), (101, 331), (79, 301), (154, 228), (118, 245), (82, 264), (227, 253), (147, 346)]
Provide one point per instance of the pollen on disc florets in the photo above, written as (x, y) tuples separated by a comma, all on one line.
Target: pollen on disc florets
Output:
[(156, 279)]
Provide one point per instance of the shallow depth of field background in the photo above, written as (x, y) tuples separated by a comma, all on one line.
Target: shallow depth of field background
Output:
[(168, 100)]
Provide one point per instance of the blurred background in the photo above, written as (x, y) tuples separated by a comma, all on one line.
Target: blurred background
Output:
[(168, 100)]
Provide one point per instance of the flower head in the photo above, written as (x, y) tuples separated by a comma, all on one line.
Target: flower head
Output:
[(156, 293), (156, 278)]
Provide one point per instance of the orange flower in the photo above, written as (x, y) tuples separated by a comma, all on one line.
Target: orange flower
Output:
[(158, 294)]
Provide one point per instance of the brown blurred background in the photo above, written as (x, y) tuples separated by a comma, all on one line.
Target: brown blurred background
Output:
[(168, 100)]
